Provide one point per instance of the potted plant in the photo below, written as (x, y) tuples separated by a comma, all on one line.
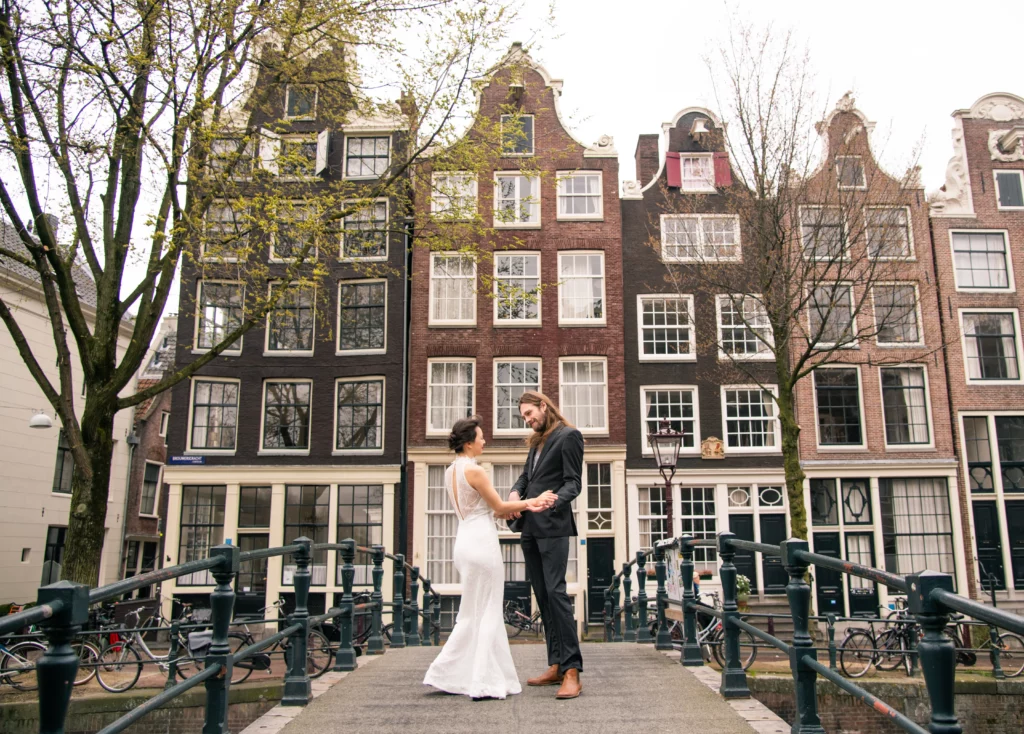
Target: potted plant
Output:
[(742, 591)]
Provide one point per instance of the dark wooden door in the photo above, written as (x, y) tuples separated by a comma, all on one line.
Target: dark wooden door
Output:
[(600, 570), (830, 583), (1015, 527), (988, 545), (743, 527), (773, 532)]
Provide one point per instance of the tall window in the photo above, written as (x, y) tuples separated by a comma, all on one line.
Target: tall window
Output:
[(286, 415), (253, 514), (252, 574), (743, 328), (202, 527), (517, 288), (300, 101), (677, 405), (65, 469), (980, 260), (580, 287), (360, 415), (290, 323), (979, 453), (653, 515), (292, 233), (367, 157), (887, 232), (837, 391), (579, 195), (750, 420), (220, 313), (697, 173), (360, 517), (599, 497), (917, 531), (306, 513), (214, 415), (511, 379), (362, 326), (896, 313), (823, 232), (505, 475), (831, 315), (517, 134), (366, 232), (514, 560), (700, 238), (1010, 442), (991, 346), (225, 232), (516, 200), (441, 526), (697, 514), (452, 289), (254, 507), (584, 393), (1010, 187), (449, 394), (905, 405), (666, 328), (850, 172), (453, 196), (150, 488)]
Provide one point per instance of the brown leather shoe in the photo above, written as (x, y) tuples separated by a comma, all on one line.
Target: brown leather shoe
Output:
[(550, 677), (570, 685)]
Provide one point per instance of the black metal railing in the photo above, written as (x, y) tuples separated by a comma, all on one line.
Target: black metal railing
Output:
[(63, 610), (931, 600)]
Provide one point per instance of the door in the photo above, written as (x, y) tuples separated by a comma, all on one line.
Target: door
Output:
[(1015, 526), (743, 527), (517, 580), (830, 583), (773, 532), (987, 542), (600, 570), (860, 548)]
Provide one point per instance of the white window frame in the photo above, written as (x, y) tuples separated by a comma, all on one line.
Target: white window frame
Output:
[(389, 134), (242, 241), (292, 138), (445, 430), (267, 351), (561, 178), (863, 173), (995, 186), (668, 504), (316, 97), (337, 339), (526, 430), (595, 431), (437, 210), (335, 451), (1017, 342), (314, 251), (342, 257), (446, 511), (860, 401), (1011, 286), (191, 409), (708, 185), (694, 391), (248, 150), (431, 321), (609, 510), (536, 201), (911, 255), (846, 234), (766, 355), (699, 218), (165, 419), (917, 307), (688, 299), (774, 390), (263, 417), (927, 409), (159, 485), (196, 349), (533, 136), (854, 342), (563, 321), (505, 323)]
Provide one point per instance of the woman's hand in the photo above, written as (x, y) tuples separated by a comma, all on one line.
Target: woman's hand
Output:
[(542, 502)]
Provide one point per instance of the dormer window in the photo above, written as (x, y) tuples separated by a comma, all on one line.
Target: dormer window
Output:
[(300, 102), (850, 172), (517, 134), (696, 173)]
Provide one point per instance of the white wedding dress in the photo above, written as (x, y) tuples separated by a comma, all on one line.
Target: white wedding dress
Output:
[(476, 660)]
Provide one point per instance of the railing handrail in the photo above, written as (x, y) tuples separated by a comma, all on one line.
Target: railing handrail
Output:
[(28, 617)]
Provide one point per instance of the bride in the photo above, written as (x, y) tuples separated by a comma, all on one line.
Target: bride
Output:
[(476, 660)]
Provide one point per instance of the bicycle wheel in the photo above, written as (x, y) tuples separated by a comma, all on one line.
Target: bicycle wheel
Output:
[(1011, 654), (748, 649), (19, 665), (386, 633), (512, 626), (889, 653), (119, 669), (88, 657), (856, 654), (318, 654), (237, 641)]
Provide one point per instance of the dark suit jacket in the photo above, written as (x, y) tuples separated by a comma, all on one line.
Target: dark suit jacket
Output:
[(558, 469)]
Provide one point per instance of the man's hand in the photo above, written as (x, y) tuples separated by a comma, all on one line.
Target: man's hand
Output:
[(513, 497)]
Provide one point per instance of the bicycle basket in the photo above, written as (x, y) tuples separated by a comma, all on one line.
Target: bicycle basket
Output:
[(202, 615), (199, 642)]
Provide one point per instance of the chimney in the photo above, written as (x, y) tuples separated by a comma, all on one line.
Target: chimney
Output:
[(646, 158)]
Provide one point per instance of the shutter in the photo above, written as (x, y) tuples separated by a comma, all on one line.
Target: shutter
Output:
[(675, 177), (723, 175), (323, 142), (270, 150)]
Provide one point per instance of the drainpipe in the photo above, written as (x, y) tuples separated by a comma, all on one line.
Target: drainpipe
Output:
[(403, 487)]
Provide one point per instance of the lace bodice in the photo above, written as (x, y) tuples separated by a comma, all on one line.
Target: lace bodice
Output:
[(468, 503)]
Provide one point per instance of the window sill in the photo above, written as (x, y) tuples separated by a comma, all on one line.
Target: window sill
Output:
[(284, 353), (149, 517), (208, 452), (517, 225), (358, 352), (283, 452), (374, 259), (648, 454), (841, 449), (580, 219), (60, 494), (226, 353), (361, 178), (582, 323), (667, 358), (992, 291), (517, 324), (593, 431), (904, 447), (219, 260), (358, 452), (451, 325), (1009, 208), (722, 357), (901, 345), (752, 452), (992, 383), (698, 190)]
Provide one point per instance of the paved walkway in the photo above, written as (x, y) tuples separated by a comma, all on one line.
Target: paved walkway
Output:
[(626, 688)]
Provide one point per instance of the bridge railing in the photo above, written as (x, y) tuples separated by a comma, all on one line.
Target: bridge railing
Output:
[(63, 610), (931, 602)]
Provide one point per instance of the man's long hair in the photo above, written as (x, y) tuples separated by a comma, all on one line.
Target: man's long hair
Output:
[(553, 417)]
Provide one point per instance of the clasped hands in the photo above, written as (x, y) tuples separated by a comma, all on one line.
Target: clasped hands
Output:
[(534, 504)]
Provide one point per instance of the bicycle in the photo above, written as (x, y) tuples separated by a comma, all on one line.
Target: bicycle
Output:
[(1010, 645), (893, 646), (318, 649), (18, 664), (518, 620), (710, 636)]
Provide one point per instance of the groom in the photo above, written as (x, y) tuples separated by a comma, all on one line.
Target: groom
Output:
[(555, 462)]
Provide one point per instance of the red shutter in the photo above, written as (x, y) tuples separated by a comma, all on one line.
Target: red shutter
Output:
[(723, 175), (675, 178)]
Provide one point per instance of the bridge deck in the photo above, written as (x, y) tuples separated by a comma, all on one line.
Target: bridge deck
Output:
[(626, 687)]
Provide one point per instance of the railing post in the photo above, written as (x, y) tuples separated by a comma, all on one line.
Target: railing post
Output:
[(734, 677), (428, 600), (375, 642), (616, 611), (345, 657), (56, 670), (664, 638), (627, 605), (993, 653), (297, 689), (398, 604), (643, 632), (172, 655), (914, 639), (938, 654), (804, 677), (830, 620), (222, 603), (413, 639), (436, 624), (691, 654), (608, 619)]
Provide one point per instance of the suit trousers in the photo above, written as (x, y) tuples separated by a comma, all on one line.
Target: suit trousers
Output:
[(546, 560)]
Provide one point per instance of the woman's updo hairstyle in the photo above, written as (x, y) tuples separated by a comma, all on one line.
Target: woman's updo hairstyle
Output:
[(463, 432)]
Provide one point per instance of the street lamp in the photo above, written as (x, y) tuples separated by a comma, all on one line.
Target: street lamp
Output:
[(666, 444)]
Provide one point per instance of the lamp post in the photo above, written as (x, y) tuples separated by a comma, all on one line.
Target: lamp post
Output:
[(666, 444)]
